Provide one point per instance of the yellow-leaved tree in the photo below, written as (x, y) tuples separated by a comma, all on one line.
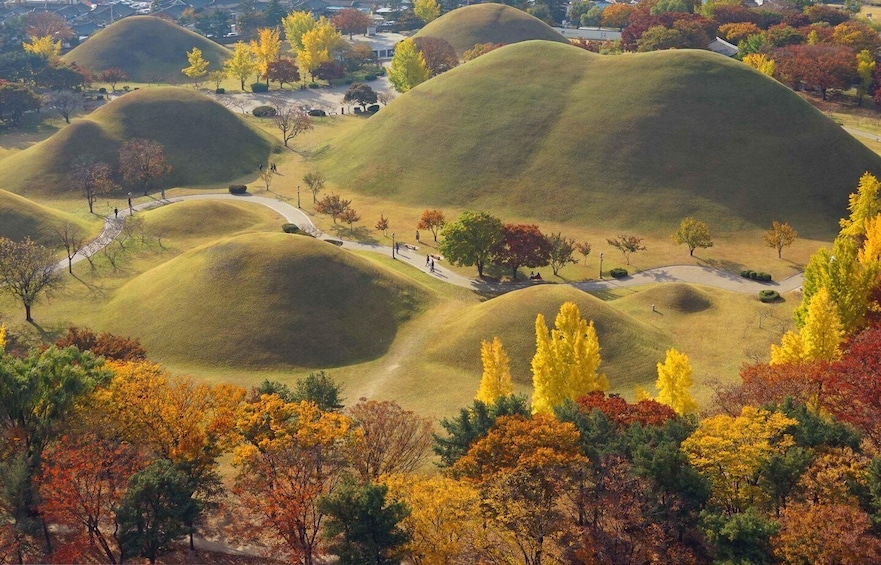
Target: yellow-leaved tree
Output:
[(496, 379), (295, 25), (566, 360), (2, 338), (241, 64), (761, 63), (318, 44), (730, 452), (198, 67), (266, 49), (863, 205), (674, 383), (43, 46), (426, 10), (818, 340), (408, 67), (445, 524)]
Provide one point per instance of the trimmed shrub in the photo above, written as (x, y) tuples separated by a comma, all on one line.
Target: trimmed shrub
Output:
[(753, 275), (369, 77), (220, 91), (290, 228), (314, 85), (264, 111), (336, 242), (618, 272), (373, 108), (769, 295), (316, 113), (102, 90), (238, 189), (259, 87), (744, 274)]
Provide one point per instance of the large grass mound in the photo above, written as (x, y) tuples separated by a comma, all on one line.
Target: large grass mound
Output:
[(147, 48), (629, 348), (205, 218), (631, 142), (203, 141), (488, 23), (269, 300), (20, 218)]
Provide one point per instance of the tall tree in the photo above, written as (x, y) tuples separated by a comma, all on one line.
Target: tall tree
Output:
[(408, 67), (627, 245), (72, 238), (112, 76), (562, 251), (866, 66), (471, 239), (93, 178), (45, 46), (334, 206), (315, 181), (566, 360), (473, 423), (395, 440), (693, 233), (818, 340), (65, 102), (156, 510), (42, 24), (351, 21), (826, 533), (266, 49), (241, 64), (433, 221), (522, 245), (27, 271), (289, 455), (291, 121), (283, 71), (780, 236), (318, 45), (438, 53), (363, 525), (863, 205), (296, 24), (198, 67), (426, 10), (141, 161), (674, 383), (360, 94), (496, 379)]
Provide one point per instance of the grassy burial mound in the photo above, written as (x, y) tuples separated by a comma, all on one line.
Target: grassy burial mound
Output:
[(629, 348), (147, 48), (488, 23), (20, 218), (216, 218), (631, 142), (203, 141), (269, 300)]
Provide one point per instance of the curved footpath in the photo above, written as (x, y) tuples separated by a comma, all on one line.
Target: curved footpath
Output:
[(676, 273)]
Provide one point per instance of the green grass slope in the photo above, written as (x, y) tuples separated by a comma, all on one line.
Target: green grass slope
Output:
[(204, 142), (488, 23), (631, 142), (216, 218), (629, 348), (267, 300), (147, 48), (20, 218)]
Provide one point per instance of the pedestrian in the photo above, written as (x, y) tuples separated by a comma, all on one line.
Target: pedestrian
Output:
[(432, 266), (653, 308), (116, 212), (261, 167), (130, 210), (417, 236), (427, 259)]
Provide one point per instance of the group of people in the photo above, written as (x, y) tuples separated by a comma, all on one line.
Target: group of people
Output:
[(533, 276), (271, 167), (429, 262)]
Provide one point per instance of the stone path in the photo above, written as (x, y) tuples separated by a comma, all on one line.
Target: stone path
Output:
[(675, 273)]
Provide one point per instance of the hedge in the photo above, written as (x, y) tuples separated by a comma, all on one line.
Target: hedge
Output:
[(618, 272), (259, 87), (768, 295), (264, 111), (238, 189)]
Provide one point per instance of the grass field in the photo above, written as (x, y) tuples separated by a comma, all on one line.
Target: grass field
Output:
[(488, 23), (20, 218), (696, 134), (148, 49), (204, 142)]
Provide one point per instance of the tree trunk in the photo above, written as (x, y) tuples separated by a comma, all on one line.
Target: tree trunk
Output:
[(27, 312), (70, 264), (514, 272), (691, 251)]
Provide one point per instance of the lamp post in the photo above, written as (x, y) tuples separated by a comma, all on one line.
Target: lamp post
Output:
[(298, 196), (601, 264), (393, 245)]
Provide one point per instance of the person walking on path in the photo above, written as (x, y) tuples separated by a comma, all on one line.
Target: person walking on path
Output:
[(116, 213), (427, 259), (431, 269), (417, 236)]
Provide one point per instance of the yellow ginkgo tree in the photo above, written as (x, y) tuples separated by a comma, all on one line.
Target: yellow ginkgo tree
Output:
[(496, 380)]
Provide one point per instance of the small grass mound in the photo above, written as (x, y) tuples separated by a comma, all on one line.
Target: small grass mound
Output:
[(678, 297), (204, 218), (629, 348), (203, 141), (637, 142), (488, 23), (20, 218), (265, 301), (147, 48)]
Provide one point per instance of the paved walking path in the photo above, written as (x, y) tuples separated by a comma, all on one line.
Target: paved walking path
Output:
[(675, 273)]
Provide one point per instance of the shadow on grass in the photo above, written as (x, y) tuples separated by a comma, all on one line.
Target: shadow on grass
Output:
[(361, 234), (730, 269)]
